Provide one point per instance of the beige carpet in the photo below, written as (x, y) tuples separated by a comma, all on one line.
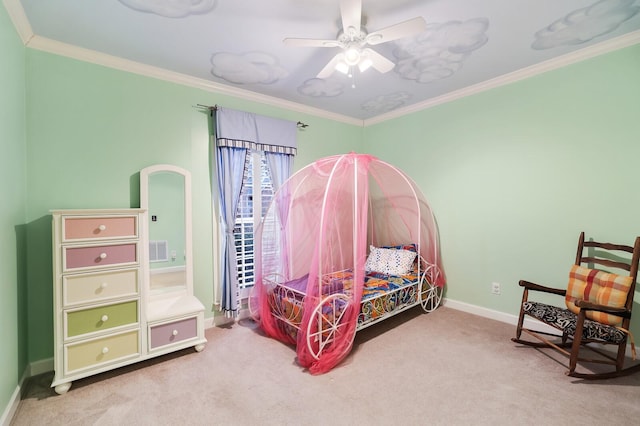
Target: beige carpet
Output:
[(443, 368)]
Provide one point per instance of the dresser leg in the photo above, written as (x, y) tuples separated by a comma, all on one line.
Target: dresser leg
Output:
[(199, 348), (63, 388)]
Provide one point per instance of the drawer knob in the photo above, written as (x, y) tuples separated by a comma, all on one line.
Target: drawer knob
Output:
[(104, 318), (175, 332), (103, 255), (104, 285), (102, 227), (105, 350)]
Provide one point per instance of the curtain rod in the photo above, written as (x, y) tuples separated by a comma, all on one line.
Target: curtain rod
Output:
[(213, 108)]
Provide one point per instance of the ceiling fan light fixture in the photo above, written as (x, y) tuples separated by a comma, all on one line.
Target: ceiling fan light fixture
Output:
[(342, 67), (352, 56)]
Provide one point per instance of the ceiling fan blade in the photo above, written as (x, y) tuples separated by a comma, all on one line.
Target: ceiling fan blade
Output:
[(310, 42), (330, 67), (404, 29), (378, 61), (351, 12)]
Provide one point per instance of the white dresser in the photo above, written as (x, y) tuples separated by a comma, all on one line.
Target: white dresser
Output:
[(114, 304), (97, 292)]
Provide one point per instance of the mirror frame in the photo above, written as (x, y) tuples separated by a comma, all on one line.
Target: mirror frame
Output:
[(145, 174)]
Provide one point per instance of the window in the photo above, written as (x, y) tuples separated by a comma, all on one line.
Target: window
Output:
[(254, 202)]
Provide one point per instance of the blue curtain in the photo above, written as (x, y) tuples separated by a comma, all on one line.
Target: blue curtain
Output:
[(230, 168), (280, 166), (236, 133)]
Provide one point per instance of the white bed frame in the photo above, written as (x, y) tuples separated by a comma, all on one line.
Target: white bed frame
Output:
[(287, 303)]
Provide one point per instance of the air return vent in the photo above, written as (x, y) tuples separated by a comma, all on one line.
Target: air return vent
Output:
[(158, 251)]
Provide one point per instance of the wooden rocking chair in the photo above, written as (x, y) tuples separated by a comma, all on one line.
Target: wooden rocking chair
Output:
[(598, 309)]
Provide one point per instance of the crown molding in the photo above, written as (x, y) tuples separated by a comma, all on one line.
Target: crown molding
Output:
[(29, 39), (86, 55), (611, 45), (19, 19), (23, 27)]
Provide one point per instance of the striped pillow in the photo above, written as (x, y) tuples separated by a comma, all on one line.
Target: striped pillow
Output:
[(598, 287)]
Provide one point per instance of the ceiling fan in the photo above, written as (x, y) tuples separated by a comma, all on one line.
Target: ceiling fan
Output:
[(353, 38)]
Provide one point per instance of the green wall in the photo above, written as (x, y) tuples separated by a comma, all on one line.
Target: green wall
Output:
[(515, 173), (13, 354), (91, 130)]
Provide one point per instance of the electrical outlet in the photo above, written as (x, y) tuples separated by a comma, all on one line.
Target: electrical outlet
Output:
[(495, 288)]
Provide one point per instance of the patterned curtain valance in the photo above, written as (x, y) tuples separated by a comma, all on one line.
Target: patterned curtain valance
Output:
[(234, 143), (239, 129)]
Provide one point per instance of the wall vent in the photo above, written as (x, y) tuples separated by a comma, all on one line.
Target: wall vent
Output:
[(159, 251)]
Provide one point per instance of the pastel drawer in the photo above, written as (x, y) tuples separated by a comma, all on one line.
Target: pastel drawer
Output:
[(84, 228), (95, 287), (101, 351), (98, 256), (173, 332), (101, 318)]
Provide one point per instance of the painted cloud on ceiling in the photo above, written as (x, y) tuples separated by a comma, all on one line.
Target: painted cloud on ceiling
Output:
[(247, 68), (318, 88), (386, 103), (171, 8), (440, 50), (585, 24)]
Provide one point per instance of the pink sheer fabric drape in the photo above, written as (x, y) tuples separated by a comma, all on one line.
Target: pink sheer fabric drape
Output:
[(321, 221)]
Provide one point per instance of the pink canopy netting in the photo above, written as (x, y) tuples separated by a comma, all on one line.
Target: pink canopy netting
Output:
[(322, 220)]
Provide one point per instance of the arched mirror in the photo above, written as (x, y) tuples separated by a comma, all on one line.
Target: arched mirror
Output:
[(165, 193)]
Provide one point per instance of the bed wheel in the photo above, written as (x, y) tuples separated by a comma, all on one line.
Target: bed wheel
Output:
[(327, 322), (430, 297)]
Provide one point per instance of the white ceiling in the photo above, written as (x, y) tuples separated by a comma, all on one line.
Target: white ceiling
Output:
[(237, 44)]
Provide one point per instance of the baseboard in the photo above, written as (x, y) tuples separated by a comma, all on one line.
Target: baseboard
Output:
[(11, 408), (166, 270), (209, 322), (219, 320), (39, 367), (14, 401), (497, 315)]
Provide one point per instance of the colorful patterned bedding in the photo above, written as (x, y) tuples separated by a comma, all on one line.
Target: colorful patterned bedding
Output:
[(391, 289), (382, 294), (375, 283)]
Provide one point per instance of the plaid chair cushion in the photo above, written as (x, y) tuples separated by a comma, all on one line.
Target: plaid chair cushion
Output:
[(598, 287), (565, 320)]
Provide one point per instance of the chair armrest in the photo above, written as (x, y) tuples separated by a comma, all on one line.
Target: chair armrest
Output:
[(537, 287), (621, 312)]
